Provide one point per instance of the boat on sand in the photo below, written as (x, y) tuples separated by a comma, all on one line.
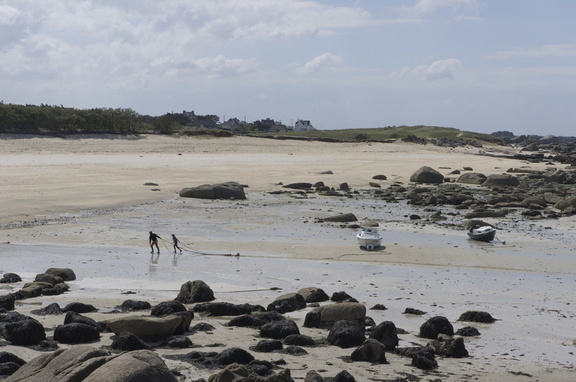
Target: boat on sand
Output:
[(482, 233), (369, 238)]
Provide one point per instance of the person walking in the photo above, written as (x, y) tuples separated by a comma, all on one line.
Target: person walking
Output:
[(175, 241), (153, 240)]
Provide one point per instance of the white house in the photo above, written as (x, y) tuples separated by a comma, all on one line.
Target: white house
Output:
[(302, 125)]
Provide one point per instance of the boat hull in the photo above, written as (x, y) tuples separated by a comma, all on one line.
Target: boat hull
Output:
[(369, 240), (485, 233)]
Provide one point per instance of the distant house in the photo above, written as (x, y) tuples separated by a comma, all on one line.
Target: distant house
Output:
[(278, 127), (302, 125), (205, 121), (231, 124)]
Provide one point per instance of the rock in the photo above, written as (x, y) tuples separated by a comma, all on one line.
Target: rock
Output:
[(255, 320), (202, 327), (79, 307), (30, 290), (427, 174), (477, 316), (227, 190), (344, 186), (566, 203), (279, 329), (9, 278), (8, 368), (313, 294), (238, 373), (9, 357), (416, 312), (370, 351), (179, 342), (131, 305), (313, 376), (424, 359), (7, 302), (127, 341), (340, 296), (72, 317), (472, 178), (434, 326), (378, 307), (233, 355), (374, 184), (66, 274), (145, 327), (76, 333), (195, 291), (468, 331), (51, 309), (346, 334), (486, 214), (294, 350), (342, 218), (226, 309), (452, 347), (48, 278), (380, 177), (343, 376), (25, 332), (166, 308), (287, 303), (267, 346), (385, 332), (325, 316), (501, 180), (299, 186), (299, 340)]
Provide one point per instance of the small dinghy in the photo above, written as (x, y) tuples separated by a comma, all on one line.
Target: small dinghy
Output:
[(483, 233), (369, 238)]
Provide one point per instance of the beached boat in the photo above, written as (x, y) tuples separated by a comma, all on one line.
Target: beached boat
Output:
[(369, 238), (483, 233)]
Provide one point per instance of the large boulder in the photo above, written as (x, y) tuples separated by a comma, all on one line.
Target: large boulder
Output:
[(279, 329), (128, 342), (325, 316), (434, 326), (79, 307), (48, 278), (195, 291), (346, 334), (227, 190), (472, 178), (341, 218), (86, 364), (7, 301), (370, 351), (24, 332), (477, 316), (9, 278), (452, 347), (386, 333), (565, 203), (287, 303), (76, 333), (427, 174), (132, 305), (313, 294), (501, 180), (145, 327), (166, 308), (67, 274)]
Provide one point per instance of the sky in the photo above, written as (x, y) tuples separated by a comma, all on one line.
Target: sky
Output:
[(474, 65)]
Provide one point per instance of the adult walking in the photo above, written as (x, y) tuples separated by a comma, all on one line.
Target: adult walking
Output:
[(153, 240)]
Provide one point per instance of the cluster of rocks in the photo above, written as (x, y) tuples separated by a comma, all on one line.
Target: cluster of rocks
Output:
[(169, 325)]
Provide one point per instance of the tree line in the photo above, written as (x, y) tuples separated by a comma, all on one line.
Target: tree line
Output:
[(59, 120)]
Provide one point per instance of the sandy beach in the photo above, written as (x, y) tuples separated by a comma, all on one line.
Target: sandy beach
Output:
[(87, 203)]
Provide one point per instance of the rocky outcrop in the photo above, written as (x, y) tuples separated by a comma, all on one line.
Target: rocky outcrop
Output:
[(227, 190), (86, 364)]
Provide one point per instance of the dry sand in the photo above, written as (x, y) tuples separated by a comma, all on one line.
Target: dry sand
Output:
[(83, 203)]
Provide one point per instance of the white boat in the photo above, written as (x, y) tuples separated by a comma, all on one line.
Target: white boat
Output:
[(483, 233), (369, 238)]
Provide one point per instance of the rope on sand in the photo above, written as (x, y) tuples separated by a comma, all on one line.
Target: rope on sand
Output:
[(200, 253)]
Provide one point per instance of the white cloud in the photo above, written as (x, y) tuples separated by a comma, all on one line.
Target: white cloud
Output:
[(425, 8), (445, 69), (319, 62)]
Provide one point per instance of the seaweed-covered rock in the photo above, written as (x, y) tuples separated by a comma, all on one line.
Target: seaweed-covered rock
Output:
[(436, 325), (477, 316), (346, 334), (279, 329), (370, 351)]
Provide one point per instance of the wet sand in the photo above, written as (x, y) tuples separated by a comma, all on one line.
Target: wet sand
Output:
[(83, 204)]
